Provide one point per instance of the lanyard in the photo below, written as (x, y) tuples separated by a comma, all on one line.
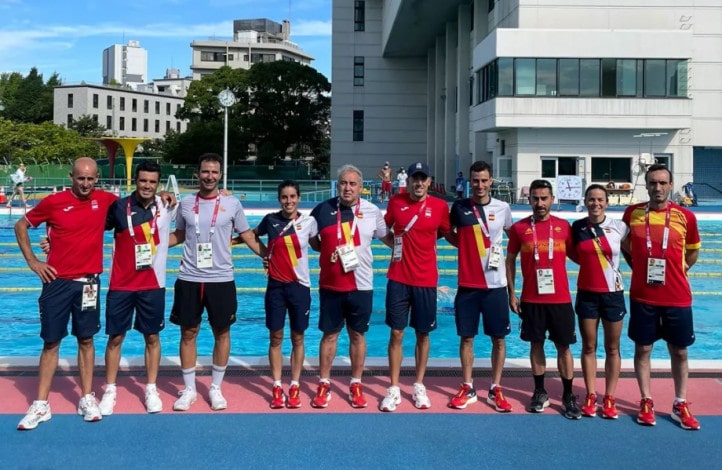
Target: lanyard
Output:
[(280, 235), (598, 242), (536, 243), (213, 218), (414, 218), (130, 221), (665, 237), (481, 218), (339, 235)]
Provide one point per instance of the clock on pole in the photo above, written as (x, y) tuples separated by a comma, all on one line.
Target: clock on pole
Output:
[(570, 188), (226, 98)]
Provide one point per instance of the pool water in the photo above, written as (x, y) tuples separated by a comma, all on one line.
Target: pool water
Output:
[(20, 288)]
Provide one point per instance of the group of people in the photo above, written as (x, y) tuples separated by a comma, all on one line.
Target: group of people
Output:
[(658, 239)]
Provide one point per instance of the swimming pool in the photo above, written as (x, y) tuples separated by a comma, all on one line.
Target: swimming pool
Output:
[(20, 288)]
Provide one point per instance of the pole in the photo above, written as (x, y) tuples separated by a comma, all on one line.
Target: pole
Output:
[(225, 148)]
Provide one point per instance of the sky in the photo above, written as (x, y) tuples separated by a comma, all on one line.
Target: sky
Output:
[(68, 36)]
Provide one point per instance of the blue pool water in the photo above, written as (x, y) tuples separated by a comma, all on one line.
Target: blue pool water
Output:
[(20, 289)]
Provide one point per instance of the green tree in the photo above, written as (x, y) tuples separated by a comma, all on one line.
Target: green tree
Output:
[(32, 99), (87, 126)]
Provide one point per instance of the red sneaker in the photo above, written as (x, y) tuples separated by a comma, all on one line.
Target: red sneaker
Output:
[(497, 400), (356, 395), (323, 395), (465, 396), (294, 397), (278, 399), (646, 412), (681, 414), (609, 409), (589, 408)]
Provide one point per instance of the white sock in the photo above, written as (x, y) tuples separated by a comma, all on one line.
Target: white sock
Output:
[(150, 387), (355, 381), (189, 378), (276, 383), (294, 382), (217, 375)]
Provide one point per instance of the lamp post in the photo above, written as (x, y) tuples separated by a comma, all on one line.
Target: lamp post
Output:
[(226, 98)]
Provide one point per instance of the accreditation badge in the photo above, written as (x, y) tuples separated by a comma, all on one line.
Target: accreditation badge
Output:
[(348, 257), (545, 281), (656, 268), (204, 255), (398, 248), (89, 300), (143, 257), (494, 257)]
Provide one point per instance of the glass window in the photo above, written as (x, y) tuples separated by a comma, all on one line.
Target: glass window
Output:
[(654, 77), (589, 77), (121, 123), (617, 169), (548, 168), (70, 119), (157, 126), (167, 109), (505, 84), (122, 103), (504, 168), (677, 78), (70, 100), (358, 126), (157, 107), (626, 77), (609, 78), (146, 106), (109, 102), (525, 77), (546, 77), (145, 125), (359, 15), (108, 122), (358, 71), (491, 4), (569, 77), (95, 100), (133, 124), (640, 81)]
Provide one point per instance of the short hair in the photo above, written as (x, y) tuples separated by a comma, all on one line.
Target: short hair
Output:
[(657, 167), (349, 168), (594, 186), (209, 157), (480, 166), (289, 184), (149, 166), (541, 184)]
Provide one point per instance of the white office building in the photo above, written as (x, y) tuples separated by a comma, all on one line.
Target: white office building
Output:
[(594, 89), (123, 112), (254, 40), (125, 65)]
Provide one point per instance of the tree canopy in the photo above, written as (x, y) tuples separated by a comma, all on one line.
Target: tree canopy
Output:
[(27, 99)]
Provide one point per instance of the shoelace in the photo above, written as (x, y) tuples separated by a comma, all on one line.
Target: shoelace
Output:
[(277, 393), (356, 390), (463, 391), (591, 400), (323, 388), (293, 392), (683, 409), (498, 395)]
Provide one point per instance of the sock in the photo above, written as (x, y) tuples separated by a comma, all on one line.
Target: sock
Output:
[(567, 385), (539, 382), (295, 382), (217, 375), (355, 381), (276, 383), (189, 378), (321, 379), (150, 387), (109, 387), (493, 386), (470, 384), (678, 400)]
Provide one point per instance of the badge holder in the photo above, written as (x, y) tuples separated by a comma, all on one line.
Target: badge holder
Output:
[(90, 296), (545, 281), (347, 255), (204, 255), (143, 257), (656, 268)]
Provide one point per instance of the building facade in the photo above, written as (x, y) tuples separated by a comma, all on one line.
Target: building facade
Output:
[(123, 112), (591, 89), (254, 40), (125, 65)]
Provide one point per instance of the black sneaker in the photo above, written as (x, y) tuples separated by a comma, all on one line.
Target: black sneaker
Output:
[(571, 409), (539, 401)]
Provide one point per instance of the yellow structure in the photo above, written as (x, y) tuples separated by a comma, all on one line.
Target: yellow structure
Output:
[(128, 144)]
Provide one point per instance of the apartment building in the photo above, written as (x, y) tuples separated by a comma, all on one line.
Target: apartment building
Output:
[(125, 65), (594, 89)]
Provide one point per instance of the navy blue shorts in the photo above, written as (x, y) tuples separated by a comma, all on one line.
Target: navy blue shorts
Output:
[(557, 319), (605, 305), (149, 307), (352, 308), (218, 298), (59, 300), (648, 323), (492, 304), (418, 303), (293, 297)]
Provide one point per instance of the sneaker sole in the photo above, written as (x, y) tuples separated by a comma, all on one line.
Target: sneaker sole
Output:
[(537, 410), (356, 405), (152, 411), (91, 419), (183, 407), (390, 409), (293, 407), (321, 405), (42, 419), (220, 407), (645, 423), (277, 406), (676, 419), (606, 416), (470, 401), (568, 416)]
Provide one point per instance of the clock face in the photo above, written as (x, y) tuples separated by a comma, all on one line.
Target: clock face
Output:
[(570, 188), (226, 98)]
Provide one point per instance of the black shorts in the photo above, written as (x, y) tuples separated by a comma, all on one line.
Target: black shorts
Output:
[(291, 297), (491, 304), (605, 305), (418, 303), (149, 307), (59, 300), (648, 323), (218, 298), (352, 308), (557, 319)]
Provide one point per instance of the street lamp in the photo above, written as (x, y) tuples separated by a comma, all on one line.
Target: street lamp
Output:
[(226, 98)]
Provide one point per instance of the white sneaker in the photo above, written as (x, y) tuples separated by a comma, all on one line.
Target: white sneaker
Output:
[(153, 404), (187, 398), (88, 408), (39, 412), (216, 398), (421, 400), (107, 403), (391, 400)]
